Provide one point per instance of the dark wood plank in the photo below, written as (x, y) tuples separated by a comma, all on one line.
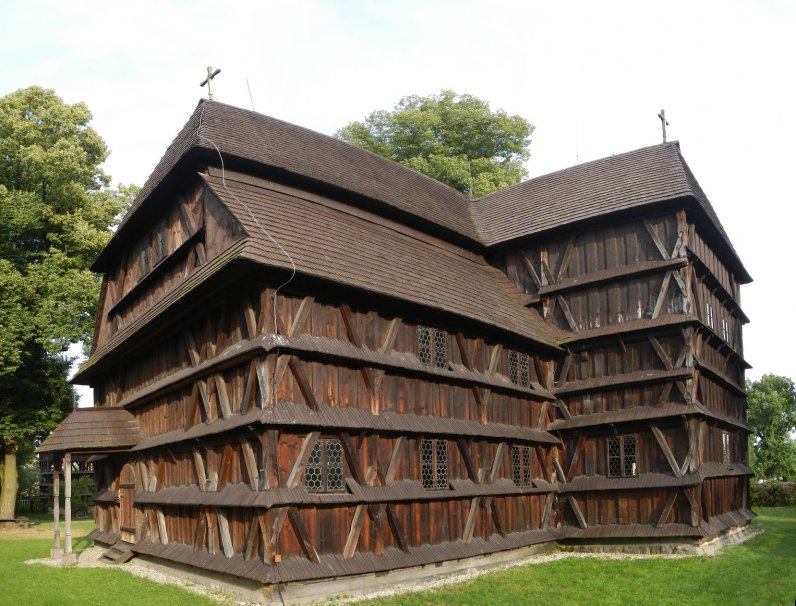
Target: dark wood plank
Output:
[(303, 535)]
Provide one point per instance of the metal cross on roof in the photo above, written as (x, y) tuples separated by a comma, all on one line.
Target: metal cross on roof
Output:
[(662, 116), (209, 81)]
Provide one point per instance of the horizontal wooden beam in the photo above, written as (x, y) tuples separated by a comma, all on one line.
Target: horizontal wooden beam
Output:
[(623, 380), (293, 416), (625, 272), (324, 349), (405, 491)]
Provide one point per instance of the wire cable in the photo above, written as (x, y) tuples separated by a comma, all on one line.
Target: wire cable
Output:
[(251, 214)]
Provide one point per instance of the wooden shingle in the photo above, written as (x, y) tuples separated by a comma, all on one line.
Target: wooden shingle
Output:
[(94, 429)]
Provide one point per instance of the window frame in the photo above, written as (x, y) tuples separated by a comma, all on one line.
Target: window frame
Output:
[(623, 457), (437, 347), (726, 452), (435, 480), (725, 329), (323, 467), (709, 315), (520, 368), (521, 465)]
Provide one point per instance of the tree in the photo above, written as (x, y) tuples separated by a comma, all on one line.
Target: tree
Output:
[(55, 216), (772, 415), (453, 138)]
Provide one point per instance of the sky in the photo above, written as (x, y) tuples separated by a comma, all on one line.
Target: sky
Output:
[(590, 76)]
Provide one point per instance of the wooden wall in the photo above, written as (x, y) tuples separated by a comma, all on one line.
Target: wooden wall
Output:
[(331, 373), (654, 321), (189, 232)]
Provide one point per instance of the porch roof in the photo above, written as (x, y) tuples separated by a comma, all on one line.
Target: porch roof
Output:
[(94, 430)]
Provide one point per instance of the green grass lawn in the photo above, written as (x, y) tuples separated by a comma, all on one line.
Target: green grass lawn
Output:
[(761, 571), (32, 585)]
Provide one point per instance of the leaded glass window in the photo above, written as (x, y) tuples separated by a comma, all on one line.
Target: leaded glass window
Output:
[(424, 344), (514, 375), (629, 456), (324, 469), (614, 458), (524, 380), (521, 465), (434, 463), (622, 456), (519, 369), (440, 349), (432, 347)]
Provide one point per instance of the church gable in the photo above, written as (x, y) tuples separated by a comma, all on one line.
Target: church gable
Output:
[(188, 232)]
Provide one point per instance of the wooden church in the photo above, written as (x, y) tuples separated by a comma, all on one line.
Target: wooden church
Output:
[(313, 363)]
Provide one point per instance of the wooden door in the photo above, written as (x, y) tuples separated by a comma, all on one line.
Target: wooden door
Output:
[(126, 507)]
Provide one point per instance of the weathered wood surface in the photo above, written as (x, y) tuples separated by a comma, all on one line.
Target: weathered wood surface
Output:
[(654, 320)]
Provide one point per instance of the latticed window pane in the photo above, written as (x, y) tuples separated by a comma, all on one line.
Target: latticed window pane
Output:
[(334, 466), (516, 465), (614, 458), (313, 472), (513, 367), (434, 463), (629, 445), (524, 370), (442, 464), (521, 465), (440, 349), (324, 470), (427, 462), (424, 344)]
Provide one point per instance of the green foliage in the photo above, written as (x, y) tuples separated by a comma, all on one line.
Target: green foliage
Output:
[(56, 214), (456, 139), (82, 492), (29, 478), (54, 220), (36, 396), (29, 471), (774, 494), (772, 415)]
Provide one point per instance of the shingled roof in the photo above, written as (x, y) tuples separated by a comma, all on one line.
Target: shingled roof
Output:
[(247, 139), (93, 430), (362, 251), (368, 255), (636, 179), (244, 137)]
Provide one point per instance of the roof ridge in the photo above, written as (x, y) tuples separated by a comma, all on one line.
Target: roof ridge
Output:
[(582, 166)]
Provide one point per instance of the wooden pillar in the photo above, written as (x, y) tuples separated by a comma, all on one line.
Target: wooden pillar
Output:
[(56, 553), (69, 557)]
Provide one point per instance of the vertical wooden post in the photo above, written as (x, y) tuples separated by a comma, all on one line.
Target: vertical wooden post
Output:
[(69, 557), (56, 553)]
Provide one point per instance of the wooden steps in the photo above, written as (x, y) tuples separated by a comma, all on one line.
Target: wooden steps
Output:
[(118, 553)]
